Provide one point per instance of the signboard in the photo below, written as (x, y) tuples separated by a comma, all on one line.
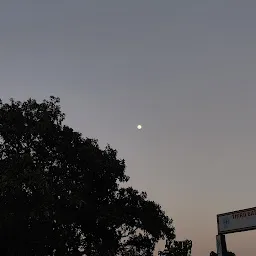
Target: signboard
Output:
[(237, 221)]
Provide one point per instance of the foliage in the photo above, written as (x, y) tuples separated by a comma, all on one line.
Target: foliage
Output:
[(177, 248), (60, 194)]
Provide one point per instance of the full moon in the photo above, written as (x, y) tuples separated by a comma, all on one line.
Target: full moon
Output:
[(139, 127)]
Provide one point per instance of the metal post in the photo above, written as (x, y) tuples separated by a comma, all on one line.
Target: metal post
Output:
[(221, 245)]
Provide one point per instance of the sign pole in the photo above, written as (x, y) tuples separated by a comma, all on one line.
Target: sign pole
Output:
[(221, 245)]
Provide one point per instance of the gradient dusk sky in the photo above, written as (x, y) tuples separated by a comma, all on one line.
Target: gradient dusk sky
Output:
[(184, 69)]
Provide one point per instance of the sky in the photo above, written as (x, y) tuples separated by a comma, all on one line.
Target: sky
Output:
[(185, 70)]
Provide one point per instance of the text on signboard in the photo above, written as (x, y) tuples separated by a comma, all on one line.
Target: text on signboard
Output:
[(244, 214)]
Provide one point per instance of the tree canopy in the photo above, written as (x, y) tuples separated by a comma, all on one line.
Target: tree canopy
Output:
[(177, 248), (60, 194)]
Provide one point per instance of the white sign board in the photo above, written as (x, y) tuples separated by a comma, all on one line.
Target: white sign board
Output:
[(237, 221)]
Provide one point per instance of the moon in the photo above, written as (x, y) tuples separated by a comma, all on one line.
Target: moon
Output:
[(139, 127)]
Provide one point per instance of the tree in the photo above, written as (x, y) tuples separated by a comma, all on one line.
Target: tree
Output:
[(60, 194), (177, 248)]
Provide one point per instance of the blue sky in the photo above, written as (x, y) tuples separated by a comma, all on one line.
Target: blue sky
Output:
[(184, 69)]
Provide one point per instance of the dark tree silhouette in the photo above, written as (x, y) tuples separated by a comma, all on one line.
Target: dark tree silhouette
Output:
[(177, 248), (60, 194)]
